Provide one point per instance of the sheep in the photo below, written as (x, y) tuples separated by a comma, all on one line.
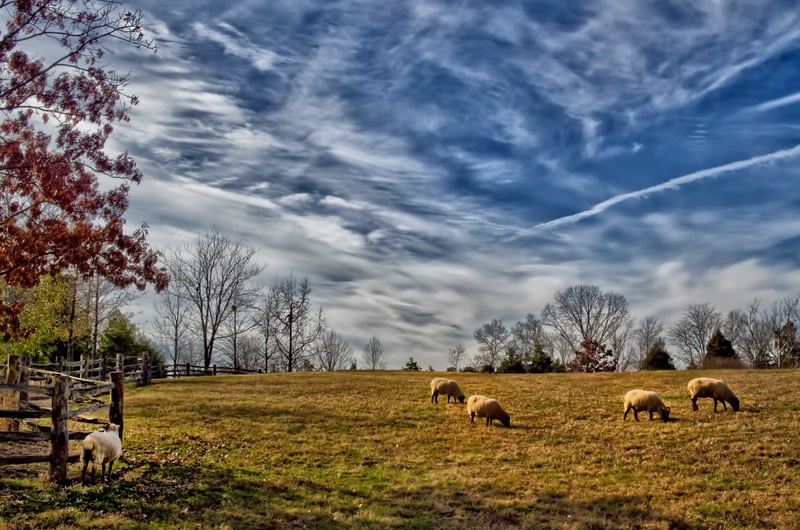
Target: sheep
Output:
[(644, 401), (101, 447), (485, 407), (445, 387), (706, 387)]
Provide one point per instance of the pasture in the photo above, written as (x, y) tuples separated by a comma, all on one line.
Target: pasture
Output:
[(368, 450)]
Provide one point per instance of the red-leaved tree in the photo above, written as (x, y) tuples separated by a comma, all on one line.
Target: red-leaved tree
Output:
[(58, 101), (593, 357)]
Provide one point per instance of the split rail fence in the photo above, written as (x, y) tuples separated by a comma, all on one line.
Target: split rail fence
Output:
[(72, 390)]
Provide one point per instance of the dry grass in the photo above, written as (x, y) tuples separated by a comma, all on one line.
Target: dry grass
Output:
[(369, 450)]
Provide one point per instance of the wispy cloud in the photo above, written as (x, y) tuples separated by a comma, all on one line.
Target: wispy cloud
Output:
[(599, 208)]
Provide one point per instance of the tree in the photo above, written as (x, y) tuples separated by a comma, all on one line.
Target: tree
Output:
[(455, 355), (213, 275), (691, 334), (58, 110), (121, 336), (720, 347), (784, 318), (645, 336), (332, 352), (540, 362), (584, 313), (657, 357), (511, 363), (374, 356), (491, 338), (593, 357), (102, 298), (412, 365), (294, 327), (528, 336), (171, 323)]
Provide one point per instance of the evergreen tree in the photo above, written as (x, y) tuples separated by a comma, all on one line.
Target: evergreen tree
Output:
[(540, 363), (511, 363), (720, 347), (657, 357), (412, 365)]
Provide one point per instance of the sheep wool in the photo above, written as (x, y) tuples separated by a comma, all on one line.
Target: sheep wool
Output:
[(645, 401), (486, 407), (445, 387), (101, 447), (716, 389)]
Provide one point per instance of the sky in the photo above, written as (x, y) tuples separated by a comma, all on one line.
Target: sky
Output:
[(433, 165)]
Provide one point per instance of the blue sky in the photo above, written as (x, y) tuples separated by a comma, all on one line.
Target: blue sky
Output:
[(432, 165)]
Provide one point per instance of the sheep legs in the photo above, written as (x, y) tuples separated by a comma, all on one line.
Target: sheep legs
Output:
[(435, 396), (694, 404), (724, 406), (635, 414)]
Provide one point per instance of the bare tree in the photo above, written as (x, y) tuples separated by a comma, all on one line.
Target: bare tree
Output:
[(102, 298), (374, 356), (236, 329), (783, 318), (332, 352), (645, 336), (585, 313), (455, 355), (172, 323), (213, 274), (623, 348), (293, 326), (755, 340), (491, 338), (527, 334), (691, 334), (266, 318)]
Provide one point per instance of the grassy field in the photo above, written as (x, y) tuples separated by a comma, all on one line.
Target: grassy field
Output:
[(369, 450)]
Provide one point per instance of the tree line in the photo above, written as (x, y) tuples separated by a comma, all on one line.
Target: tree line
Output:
[(588, 330), (215, 309)]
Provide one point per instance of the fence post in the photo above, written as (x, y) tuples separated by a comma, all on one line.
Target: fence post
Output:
[(117, 400), (84, 366), (60, 365), (59, 436), (215, 369), (120, 363), (188, 373), (147, 369), (24, 377)]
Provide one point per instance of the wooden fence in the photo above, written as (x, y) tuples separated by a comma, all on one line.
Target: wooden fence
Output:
[(36, 385), (191, 370)]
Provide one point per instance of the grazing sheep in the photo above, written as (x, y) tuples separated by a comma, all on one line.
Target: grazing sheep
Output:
[(706, 387), (101, 447), (485, 407), (644, 401), (445, 387)]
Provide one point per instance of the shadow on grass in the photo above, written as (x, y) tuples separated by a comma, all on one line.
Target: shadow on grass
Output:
[(429, 507), (179, 495)]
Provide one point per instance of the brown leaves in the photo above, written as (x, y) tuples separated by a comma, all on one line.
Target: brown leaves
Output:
[(54, 214)]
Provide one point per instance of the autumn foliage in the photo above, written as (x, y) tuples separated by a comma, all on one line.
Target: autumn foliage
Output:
[(58, 102)]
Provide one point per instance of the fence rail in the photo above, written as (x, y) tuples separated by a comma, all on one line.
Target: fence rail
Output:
[(193, 370)]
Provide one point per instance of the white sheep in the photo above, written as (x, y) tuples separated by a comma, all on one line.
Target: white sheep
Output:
[(101, 447), (644, 401), (486, 407), (445, 387), (706, 387)]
